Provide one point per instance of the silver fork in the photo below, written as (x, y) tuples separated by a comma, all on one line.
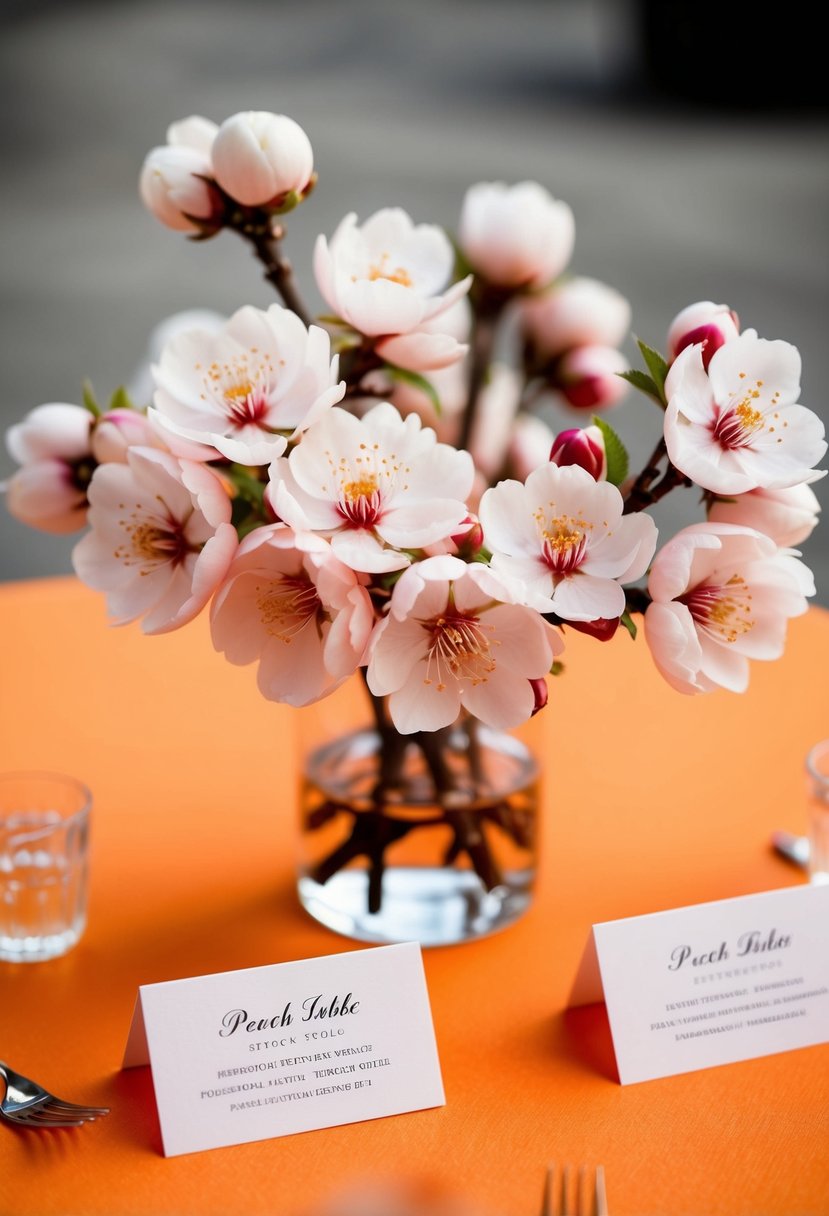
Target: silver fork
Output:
[(27, 1104), (573, 1193)]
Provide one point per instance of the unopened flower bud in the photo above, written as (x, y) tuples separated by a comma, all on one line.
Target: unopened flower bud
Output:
[(588, 377), (602, 629), (541, 695), (788, 516), (46, 495), (119, 430), (515, 236), (578, 312), (54, 430), (469, 537), (584, 447), (706, 324), (259, 158), (175, 178)]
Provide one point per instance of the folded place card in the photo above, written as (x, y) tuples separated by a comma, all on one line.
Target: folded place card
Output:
[(247, 1055), (699, 986)]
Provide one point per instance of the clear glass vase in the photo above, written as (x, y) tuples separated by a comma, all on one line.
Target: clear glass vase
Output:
[(428, 837)]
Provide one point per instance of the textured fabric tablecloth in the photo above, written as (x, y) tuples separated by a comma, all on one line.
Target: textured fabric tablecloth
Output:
[(652, 800)]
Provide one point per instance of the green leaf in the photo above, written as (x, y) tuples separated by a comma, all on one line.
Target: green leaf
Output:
[(90, 400), (416, 381), (121, 400), (656, 365), (616, 452), (249, 488), (330, 318), (557, 668), (629, 624), (643, 382)]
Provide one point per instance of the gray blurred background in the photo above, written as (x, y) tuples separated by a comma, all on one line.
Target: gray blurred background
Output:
[(692, 147)]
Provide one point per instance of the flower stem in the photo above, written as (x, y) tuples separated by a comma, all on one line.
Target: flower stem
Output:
[(278, 270), (643, 492), (485, 327)]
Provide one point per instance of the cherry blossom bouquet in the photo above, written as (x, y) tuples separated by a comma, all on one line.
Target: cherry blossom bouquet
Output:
[(379, 489)]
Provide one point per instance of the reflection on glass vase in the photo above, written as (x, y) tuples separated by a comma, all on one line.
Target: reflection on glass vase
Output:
[(428, 837)]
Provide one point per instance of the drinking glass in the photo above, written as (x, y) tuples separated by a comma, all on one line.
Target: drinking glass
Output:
[(44, 859), (817, 773)]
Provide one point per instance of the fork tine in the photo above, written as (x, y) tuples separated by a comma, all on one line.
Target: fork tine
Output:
[(38, 1118), (565, 1192), (74, 1108), (547, 1196), (601, 1193)]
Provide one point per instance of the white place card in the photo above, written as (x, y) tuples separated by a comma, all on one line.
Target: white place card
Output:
[(711, 984), (270, 1051)]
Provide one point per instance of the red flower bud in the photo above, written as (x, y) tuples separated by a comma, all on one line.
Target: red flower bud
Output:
[(710, 337), (470, 536), (540, 692), (603, 628), (584, 447)]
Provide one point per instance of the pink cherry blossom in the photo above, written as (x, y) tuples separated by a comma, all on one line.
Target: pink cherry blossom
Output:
[(259, 157), (389, 276), (160, 541), (563, 535), (577, 312), (705, 324), (172, 182), (248, 387), (582, 446), (722, 595), (303, 615), (788, 516), (374, 486), (454, 638), (738, 426), (515, 236)]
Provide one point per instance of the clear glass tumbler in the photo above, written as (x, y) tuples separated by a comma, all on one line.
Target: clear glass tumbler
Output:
[(817, 773), (44, 858)]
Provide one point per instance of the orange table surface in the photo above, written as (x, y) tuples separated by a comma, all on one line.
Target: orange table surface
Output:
[(652, 800)]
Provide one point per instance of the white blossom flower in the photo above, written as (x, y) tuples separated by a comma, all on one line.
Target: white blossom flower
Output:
[(739, 426), (246, 388), (259, 157), (160, 540), (577, 312), (515, 236), (375, 486), (174, 182), (388, 276), (563, 535), (722, 595), (454, 637), (705, 324), (303, 615), (788, 516)]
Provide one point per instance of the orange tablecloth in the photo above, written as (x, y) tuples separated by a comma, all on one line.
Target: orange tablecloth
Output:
[(653, 800)]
